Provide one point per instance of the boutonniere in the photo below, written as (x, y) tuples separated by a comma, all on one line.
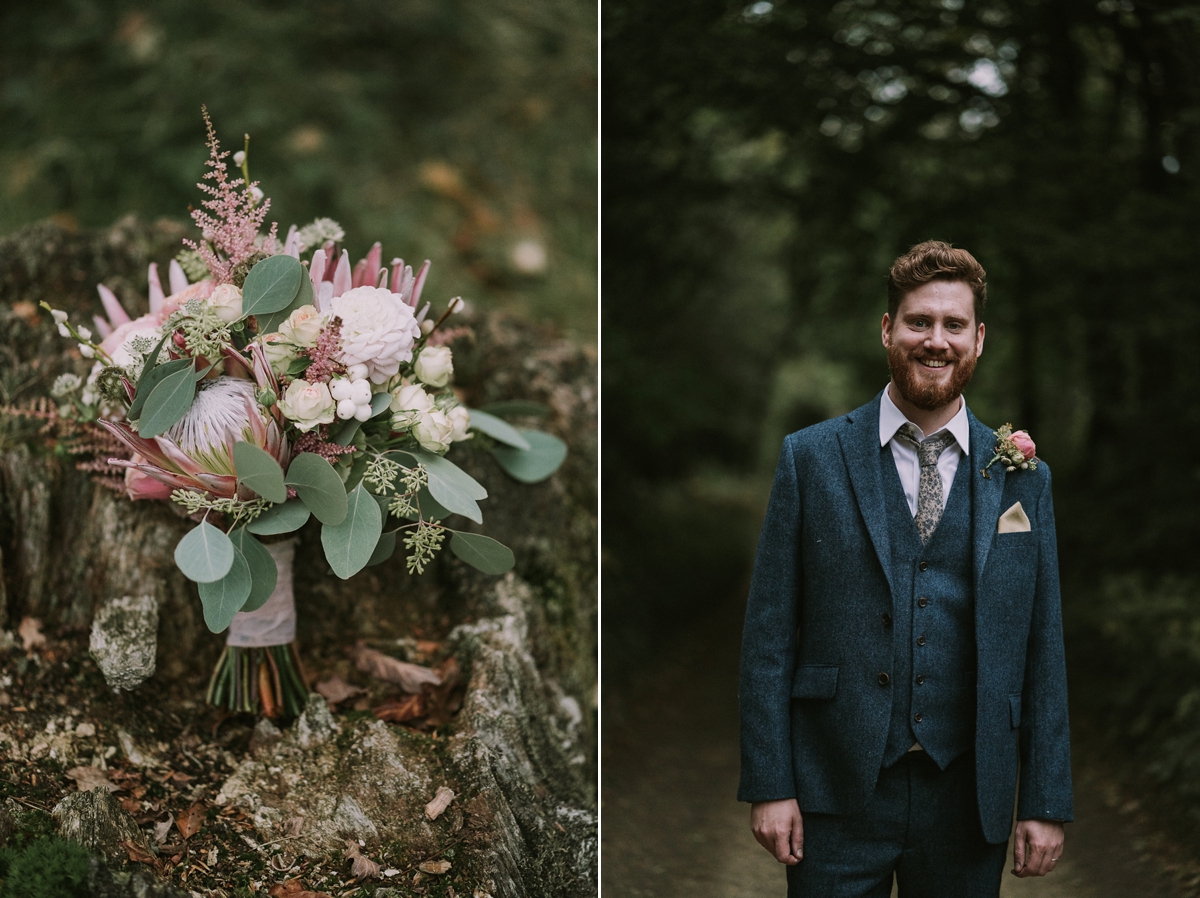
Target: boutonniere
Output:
[(1014, 450)]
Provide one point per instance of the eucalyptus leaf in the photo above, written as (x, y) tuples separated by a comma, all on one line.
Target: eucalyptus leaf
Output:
[(318, 486), (545, 455), (205, 554), (482, 552), (168, 402), (450, 485), (497, 429), (379, 402), (149, 381), (350, 544), (224, 598), (286, 518), (346, 433), (431, 509), (270, 321), (263, 572), (200, 375), (384, 549), (259, 471), (271, 285)]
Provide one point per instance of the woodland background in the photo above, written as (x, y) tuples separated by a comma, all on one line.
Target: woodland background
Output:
[(764, 163)]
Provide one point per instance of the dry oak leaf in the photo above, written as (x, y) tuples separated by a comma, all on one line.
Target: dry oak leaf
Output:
[(191, 820), (30, 631), (335, 690), (435, 867), (361, 867), (409, 677), (138, 854), (294, 888), (89, 778), (440, 802)]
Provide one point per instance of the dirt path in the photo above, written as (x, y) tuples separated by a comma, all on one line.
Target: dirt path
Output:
[(671, 826)]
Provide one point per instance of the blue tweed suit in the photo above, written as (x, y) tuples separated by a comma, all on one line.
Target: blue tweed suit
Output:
[(815, 708)]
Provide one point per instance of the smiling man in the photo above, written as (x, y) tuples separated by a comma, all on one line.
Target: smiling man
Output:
[(902, 651)]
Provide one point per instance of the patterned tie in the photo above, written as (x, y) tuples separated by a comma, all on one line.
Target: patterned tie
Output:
[(929, 490)]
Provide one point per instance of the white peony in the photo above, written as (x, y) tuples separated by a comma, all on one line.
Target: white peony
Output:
[(434, 366), (303, 326), (434, 431), (378, 330), (460, 418), (307, 405), (226, 301)]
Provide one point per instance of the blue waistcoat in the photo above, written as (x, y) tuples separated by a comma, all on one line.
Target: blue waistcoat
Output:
[(933, 674)]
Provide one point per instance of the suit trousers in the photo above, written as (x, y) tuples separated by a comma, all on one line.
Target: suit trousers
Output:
[(921, 825)]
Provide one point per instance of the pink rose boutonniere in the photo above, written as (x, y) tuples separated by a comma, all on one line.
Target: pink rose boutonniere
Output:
[(1015, 450)]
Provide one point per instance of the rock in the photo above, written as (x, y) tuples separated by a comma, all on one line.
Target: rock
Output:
[(264, 737), (104, 883), (316, 725), (96, 821), (124, 639)]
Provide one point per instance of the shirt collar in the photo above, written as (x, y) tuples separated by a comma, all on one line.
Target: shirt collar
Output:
[(891, 419)]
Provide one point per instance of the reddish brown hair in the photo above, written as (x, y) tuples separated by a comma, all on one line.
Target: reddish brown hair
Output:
[(935, 260)]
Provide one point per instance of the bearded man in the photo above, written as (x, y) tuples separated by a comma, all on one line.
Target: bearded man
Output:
[(903, 651)]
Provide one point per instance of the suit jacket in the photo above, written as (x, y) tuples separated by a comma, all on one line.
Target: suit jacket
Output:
[(814, 710)]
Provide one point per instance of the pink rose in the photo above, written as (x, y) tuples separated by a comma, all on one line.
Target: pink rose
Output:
[(1024, 443)]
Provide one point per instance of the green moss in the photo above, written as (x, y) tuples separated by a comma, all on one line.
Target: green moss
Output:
[(47, 868)]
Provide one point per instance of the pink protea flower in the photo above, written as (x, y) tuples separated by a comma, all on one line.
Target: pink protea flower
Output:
[(197, 453)]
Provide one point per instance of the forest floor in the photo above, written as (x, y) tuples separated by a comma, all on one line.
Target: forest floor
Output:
[(671, 825)]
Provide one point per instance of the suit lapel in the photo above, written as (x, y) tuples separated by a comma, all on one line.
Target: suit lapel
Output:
[(860, 448), (986, 494)]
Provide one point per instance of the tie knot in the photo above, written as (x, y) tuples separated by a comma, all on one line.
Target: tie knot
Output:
[(929, 449)]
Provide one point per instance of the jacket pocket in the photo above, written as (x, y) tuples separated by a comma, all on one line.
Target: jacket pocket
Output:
[(815, 681), (1014, 709)]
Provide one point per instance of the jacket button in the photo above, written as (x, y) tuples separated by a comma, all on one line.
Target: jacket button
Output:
[(884, 679), (920, 679), (924, 565), (920, 640), (918, 717), (922, 602), (887, 619)]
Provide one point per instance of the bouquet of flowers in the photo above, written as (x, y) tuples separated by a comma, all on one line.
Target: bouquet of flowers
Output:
[(262, 391)]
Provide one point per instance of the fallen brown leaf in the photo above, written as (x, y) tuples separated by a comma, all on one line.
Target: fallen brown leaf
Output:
[(409, 677), (361, 867), (138, 854), (163, 829), (434, 867), (89, 778), (400, 710), (445, 699), (294, 888), (30, 631), (440, 802), (336, 690), (190, 821), (131, 806)]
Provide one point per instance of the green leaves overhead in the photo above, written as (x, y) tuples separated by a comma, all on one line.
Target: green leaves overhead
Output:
[(271, 285), (169, 401), (263, 573), (205, 555), (285, 518), (318, 486), (546, 452), (350, 545), (450, 485), (259, 471), (223, 598), (482, 552), (498, 429)]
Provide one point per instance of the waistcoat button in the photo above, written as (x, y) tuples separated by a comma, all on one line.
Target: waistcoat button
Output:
[(918, 717), (924, 565), (887, 619), (922, 602), (920, 679), (920, 640), (884, 679)]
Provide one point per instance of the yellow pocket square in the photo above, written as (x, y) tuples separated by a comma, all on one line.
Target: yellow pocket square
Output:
[(1014, 521)]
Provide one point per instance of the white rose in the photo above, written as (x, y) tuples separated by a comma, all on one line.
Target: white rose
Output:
[(434, 431), (460, 418), (226, 301), (280, 354), (307, 405), (434, 366), (303, 326)]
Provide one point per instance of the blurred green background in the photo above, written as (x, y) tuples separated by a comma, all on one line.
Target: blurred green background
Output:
[(463, 131), (764, 163)]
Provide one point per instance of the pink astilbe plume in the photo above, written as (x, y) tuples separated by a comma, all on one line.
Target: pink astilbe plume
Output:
[(324, 364), (232, 220)]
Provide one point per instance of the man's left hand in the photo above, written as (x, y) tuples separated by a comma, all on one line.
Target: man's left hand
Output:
[(1037, 846)]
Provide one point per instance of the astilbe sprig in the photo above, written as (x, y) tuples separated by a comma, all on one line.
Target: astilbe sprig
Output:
[(317, 443), (324, 362), (230, 219)]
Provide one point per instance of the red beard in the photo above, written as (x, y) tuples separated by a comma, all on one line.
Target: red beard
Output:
[(924, 394)]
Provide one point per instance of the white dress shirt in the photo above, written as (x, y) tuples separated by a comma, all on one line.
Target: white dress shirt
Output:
[(908, 465)]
